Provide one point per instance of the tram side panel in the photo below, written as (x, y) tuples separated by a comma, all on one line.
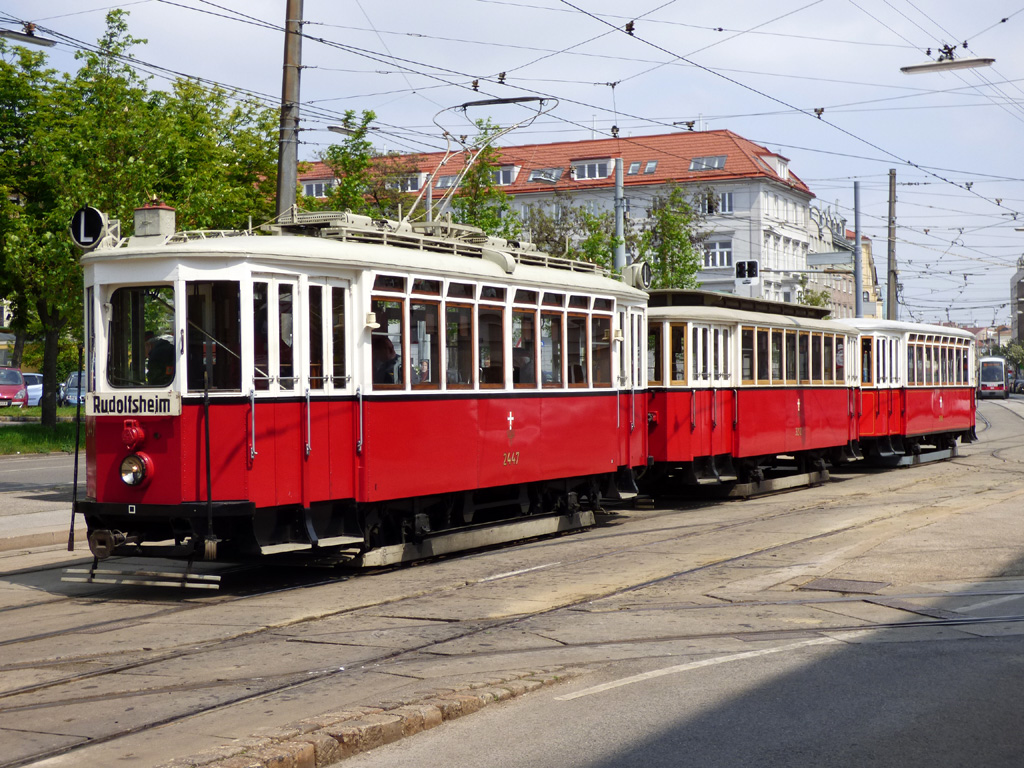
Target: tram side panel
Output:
[(931, 410)]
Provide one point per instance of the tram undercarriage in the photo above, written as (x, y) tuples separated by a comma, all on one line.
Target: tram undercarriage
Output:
[(236, 531)]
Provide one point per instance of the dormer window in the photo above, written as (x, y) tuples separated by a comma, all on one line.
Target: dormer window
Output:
[(712, 163), (444, 182), (651, 167), (634, 168), (590, 169), (406, 183), (545, 175), (317, 188), (504, 176)]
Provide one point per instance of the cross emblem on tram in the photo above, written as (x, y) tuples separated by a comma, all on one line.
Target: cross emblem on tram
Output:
[(511, 418)]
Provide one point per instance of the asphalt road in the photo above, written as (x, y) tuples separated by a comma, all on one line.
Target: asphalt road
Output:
[(875, 620)]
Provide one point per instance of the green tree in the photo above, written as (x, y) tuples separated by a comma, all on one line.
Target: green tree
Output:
[(813, 298), (563, 228), (670, 240), (480, 201)]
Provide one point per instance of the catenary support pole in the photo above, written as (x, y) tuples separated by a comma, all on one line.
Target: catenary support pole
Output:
[(891, 310), (858, 265), (619, 253), (288, 148)]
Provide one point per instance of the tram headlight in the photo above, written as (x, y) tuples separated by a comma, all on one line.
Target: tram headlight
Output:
[(136, 469)]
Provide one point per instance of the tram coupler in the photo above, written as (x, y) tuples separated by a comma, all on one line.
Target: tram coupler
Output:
[(104, 543)]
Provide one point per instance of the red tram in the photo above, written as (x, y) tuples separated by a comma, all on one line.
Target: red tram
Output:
[(735, 383), (366, 385), (917, 387)]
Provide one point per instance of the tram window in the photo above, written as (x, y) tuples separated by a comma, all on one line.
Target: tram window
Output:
[(602, 305), (491, 325), (551, 350), (492, 293), (524, 349), (460, 291), (950, 375), (694, 355), (141, 350), (213, 309), (919, 354), (286, 336), (726, 356), (458, 322), (959, 353), (260, 335), (716, 352), (911, 371), (576, 349), (747, 354), (791, 357), (601, 350), (777, 356), (579, 302), (431, 287), (424, 345), (90, 338), (804, 357), (830, 358), (678, 351), (763, 359), (929, 370), (840, 359), (866, 363), (881, 360), (340, 369), (386, 345), (526, 297), (817, 361), (391, 283), (316, 337), (655, 372), (705, 353), (554, 300)]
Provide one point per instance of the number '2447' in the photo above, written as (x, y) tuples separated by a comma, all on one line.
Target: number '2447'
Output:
[(511, 458)]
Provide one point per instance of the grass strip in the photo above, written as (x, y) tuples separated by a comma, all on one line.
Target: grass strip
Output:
[(35, 438)]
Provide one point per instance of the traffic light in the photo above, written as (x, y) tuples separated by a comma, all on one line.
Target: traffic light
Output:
[(746, 270)]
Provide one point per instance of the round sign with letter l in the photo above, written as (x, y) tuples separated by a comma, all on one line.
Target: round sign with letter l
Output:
[(88, 226)]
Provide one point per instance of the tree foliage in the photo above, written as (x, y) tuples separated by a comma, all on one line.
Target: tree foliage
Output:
[(670, 240), (564, 228), (480, 201), (813, 298)]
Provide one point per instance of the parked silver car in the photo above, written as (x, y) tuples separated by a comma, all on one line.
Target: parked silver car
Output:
[(34, 384)]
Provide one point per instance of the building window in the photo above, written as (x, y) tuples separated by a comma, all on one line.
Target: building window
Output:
[(444, 182), (547, 175), (317, 188), (504, 176), (715, 163), (592, 169), (634, 168), (406, 183), (651, 166), (718, 253), (716, 204)]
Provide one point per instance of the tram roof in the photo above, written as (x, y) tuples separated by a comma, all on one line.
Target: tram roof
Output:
[(671, 297), (381, 246), (874, 324)]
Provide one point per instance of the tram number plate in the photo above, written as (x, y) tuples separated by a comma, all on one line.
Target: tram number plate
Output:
[(511, 458)]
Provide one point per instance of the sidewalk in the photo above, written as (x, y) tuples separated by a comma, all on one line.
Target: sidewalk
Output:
[(40, 529)]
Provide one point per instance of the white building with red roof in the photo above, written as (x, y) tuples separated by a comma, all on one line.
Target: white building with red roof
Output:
[(760, 211)]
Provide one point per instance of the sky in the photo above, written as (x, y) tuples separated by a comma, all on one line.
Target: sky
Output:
[(762, 70)]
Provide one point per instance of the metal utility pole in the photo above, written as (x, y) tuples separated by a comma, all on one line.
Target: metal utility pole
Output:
[(288, 147), (858, 266), (619, 253), (891, 310)]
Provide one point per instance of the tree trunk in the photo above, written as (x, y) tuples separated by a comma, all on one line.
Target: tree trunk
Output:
[(52, 323)]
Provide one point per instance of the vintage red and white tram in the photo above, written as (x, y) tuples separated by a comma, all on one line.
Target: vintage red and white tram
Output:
[(368, 384), (917, 387), (736, 383)]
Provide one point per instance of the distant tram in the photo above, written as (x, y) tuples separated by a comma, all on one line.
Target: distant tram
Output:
[(992, 378)]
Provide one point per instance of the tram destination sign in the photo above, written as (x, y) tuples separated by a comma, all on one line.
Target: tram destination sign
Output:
[(133, 404)]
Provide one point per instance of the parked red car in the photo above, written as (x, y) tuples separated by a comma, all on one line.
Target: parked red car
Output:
[(13, 391)]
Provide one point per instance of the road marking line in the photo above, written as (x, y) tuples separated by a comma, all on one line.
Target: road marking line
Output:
[(694, 665), (516, 573), (987, 603)]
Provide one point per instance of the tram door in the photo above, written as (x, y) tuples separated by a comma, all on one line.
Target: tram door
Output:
[(338, 444), (711, 382), (276, 474), (637, 351)]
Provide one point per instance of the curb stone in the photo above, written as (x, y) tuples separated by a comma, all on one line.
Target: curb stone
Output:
[(326, 739)]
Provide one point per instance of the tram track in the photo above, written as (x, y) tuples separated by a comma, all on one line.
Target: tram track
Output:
[(294, 682)]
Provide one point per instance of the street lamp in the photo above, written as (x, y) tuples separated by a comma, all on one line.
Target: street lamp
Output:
[(947, 61), (27, 36)]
